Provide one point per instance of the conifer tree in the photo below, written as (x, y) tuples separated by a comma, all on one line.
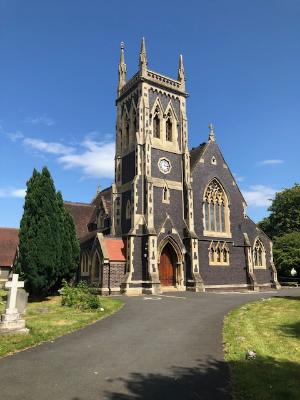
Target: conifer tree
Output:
[(70, 246), (40, 249)]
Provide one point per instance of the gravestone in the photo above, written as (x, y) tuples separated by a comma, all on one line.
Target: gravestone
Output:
[(11, 321), (22, 300)]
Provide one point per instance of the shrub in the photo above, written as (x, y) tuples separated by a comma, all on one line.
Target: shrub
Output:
[(80, 296)]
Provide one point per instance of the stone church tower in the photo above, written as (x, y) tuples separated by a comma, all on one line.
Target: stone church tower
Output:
[(152, 194), (174, 218)]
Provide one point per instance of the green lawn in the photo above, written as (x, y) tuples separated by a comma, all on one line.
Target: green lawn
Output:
[(48, 319), (272, 329)]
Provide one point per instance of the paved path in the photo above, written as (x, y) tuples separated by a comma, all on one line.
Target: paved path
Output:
[(154, 348)]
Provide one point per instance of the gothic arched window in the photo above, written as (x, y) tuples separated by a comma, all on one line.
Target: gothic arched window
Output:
[(156, 125), (259, 255), (169, 128), (134, 123), (218, 253), (128, 210), (216, 211), (166, 195), (127, 132)]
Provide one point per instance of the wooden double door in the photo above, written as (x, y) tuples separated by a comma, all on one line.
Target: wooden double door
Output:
[(167, 266)]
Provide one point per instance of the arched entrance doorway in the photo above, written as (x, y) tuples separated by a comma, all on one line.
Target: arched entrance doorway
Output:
[(167, 266)]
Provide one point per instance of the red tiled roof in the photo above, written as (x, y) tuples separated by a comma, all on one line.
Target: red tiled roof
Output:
[(116, 249), (9, 240), (81, 213)]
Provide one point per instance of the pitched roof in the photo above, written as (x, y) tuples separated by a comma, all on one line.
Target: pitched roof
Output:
[(116, 249), (9, 240), (195, 154), (81, 213), (105, 197)]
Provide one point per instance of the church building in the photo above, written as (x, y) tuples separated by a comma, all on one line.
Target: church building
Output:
[(174, 218)]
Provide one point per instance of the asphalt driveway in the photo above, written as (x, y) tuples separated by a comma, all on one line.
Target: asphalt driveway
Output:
[(156, 347)]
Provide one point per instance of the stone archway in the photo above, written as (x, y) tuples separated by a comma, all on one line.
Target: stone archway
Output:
[(170, 264), (96, 275), (167, 266)]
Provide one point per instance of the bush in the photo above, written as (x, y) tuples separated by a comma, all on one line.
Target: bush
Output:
[(80, 296)]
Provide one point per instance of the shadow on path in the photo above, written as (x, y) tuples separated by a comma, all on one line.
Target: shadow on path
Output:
[(262, 379)]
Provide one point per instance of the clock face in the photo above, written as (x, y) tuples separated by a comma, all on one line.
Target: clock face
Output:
[(164, 165)]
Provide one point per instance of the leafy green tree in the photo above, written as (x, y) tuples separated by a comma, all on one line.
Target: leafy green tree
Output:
[(284, 213), (48, 249), (287, 253)]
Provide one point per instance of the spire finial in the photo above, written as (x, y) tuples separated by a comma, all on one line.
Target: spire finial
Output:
[(98, 189), (143, 57), (122, 69), (211, 137), (181, 76)]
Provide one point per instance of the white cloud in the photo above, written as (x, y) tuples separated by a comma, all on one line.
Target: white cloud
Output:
[(48, 147), (271, 162), (96, 159), (13, 136), (40, 120), (238, 178), (259, 195), (93, 158), (11, 192)]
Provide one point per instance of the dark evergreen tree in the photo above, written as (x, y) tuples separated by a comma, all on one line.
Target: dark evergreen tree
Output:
[(70, 246), (40, 248)]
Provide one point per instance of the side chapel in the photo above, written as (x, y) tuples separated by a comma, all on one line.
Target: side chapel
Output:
[(174, 218)]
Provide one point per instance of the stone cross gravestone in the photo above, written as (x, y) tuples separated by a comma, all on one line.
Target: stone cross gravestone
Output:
[(21, 301), (11, 321)]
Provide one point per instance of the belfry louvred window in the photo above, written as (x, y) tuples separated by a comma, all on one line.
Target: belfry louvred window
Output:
[(156, 124), (127, 132), (215, 208), (169, 128)]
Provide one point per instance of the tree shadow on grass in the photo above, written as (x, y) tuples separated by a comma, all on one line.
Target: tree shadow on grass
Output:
[(292, 330), (292, 298)]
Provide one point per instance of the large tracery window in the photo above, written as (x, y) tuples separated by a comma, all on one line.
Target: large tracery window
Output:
[(216, 211), (259, 254)]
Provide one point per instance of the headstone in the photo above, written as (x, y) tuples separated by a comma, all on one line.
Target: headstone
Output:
[(22, 300), (11, 321)]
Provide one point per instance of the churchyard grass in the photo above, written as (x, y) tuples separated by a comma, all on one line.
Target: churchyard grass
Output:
[(48, 320), (272, 329)]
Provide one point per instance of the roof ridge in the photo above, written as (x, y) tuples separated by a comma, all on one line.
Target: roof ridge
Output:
[(78, 203)]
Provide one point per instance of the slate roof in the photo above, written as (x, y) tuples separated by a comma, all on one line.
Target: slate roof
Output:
[(105, 196), (195, 154), (81, 213), (9, 240)]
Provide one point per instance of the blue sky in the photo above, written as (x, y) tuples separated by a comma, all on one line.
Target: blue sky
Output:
[(59, 76)]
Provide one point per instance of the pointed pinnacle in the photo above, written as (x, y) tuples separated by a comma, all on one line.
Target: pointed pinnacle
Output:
[(181, 77), (181, 67), (122, 58), (211, 132), (122, 69), (143, 54)]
